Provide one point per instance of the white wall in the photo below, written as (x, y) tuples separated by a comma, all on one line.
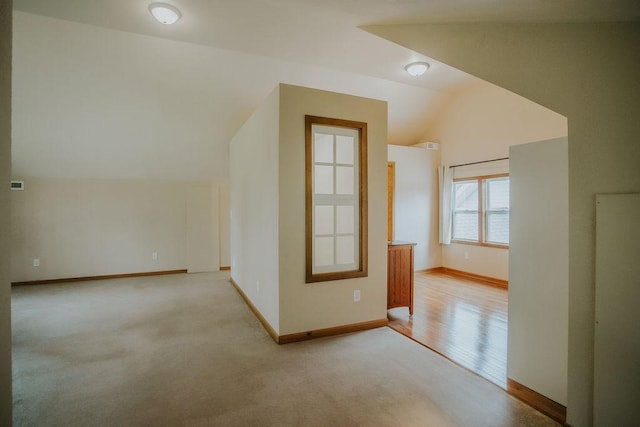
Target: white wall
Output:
[(91, 227), (268, 213), (254, 164), (202, 241), (101, 103), (5, 214), (589, 74), (225, 225), (309, 306), (96, 106), (416, 202), (97, 103), (480, 123), (538, 271), (616, 384)]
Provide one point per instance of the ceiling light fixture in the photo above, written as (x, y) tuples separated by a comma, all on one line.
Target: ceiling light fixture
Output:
[(417, 68), (165, 13)]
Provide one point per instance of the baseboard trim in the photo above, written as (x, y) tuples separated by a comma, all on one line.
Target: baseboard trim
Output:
[(500, 283), (272, 332), (225, 268), (430, 270), (307, 335), (336, 330), (537, 401), (103, 277)]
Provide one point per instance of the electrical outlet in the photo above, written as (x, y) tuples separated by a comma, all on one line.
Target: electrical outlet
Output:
[(356, 295), (154, 256), (466, 255), (36, 262)]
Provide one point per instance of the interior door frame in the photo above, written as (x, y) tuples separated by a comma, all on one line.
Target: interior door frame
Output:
[(391, 186)]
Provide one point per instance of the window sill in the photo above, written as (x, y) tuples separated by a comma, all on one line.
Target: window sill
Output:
[(486, 245)]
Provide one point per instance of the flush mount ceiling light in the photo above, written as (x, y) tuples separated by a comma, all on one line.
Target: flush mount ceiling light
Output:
[(165, 13), (417, 68)]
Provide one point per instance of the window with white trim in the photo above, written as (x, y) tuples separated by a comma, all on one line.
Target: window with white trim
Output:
[(481, 210)]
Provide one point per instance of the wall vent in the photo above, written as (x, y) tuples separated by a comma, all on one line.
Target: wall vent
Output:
[(17, 185)]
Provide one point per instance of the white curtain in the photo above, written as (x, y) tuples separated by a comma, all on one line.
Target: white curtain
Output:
[(445, 184)]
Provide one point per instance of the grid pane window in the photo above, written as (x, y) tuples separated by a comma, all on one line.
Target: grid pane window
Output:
[(498, 228), (335, 184), (465, 211), (497, 207), (481, 210)]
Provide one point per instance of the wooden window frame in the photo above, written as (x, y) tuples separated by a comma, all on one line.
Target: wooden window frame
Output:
[(362, 247), (482, 212)]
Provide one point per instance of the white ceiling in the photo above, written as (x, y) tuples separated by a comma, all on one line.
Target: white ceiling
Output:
[(287, 30), (324, 32), (94, 102), (318, 38)]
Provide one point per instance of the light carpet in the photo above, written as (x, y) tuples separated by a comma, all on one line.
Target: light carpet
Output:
[(185, 350)]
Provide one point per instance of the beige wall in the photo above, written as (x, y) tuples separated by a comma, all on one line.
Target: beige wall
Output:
[(203, 226), (416, 202), (254, 209), (92, 102), (87, 227), (617, 338), (78, 114), (588, 73), (225, 225), (538, 271), (268, 213), (480, 123), (308, 306), (5, 215)]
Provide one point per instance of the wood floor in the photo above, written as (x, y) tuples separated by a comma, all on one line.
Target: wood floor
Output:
[(462, 319)]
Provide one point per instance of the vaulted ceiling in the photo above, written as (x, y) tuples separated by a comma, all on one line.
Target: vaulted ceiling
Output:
[(305, 41), (324, 33)]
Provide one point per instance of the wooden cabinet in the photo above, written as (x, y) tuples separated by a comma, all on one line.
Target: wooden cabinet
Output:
[(400, 275)]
